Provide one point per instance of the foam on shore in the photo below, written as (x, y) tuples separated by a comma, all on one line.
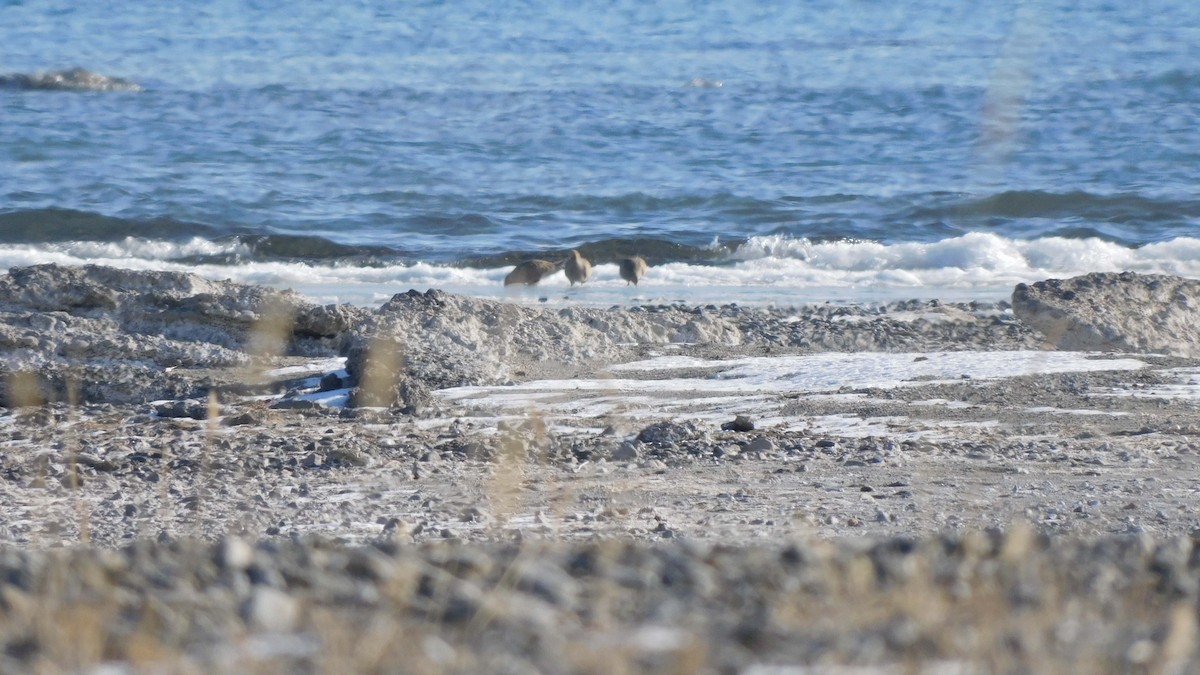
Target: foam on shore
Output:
[(765, 270)]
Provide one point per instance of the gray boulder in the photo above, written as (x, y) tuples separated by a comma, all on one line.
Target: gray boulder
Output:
[(380, 369), (1124, 312), (102, 334), (173, 305)]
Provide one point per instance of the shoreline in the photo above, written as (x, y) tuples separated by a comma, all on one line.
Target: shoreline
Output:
[(468, 502)]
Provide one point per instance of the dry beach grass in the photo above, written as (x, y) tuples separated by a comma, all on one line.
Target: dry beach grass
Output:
[(229, 532)]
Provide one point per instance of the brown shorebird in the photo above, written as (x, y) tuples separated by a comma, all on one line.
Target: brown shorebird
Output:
[(530, 272), (577, 267), (633, 269)]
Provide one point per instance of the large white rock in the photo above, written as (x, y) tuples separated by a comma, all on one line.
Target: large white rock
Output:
[(1123, 312), (450, 340)]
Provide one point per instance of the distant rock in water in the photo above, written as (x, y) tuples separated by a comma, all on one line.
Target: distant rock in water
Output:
[(75, 79), (1124, 312)]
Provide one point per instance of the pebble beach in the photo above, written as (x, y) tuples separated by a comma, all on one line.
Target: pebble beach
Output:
[(193, 484)]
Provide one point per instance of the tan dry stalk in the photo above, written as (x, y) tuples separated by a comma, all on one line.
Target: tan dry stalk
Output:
[(504, 492), (210, 433), (268, 340), (164, 494), (1179, 646), (23, 390), (384, 363), (70, 440), (23, 393), (504, 486)]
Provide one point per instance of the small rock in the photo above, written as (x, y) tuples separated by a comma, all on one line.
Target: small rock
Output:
[(348, 457), (331, 382), (667, 433), (94, 462), (760, 444), (625, 452), (395, 527), (295, 404), (472, 450), (182, 409), (547, 582), (270, 610), (474, 514), (235, 554), (740, 423), (731, 450), (244, 419)]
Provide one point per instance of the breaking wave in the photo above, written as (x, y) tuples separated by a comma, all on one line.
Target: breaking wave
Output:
[(769, 269)]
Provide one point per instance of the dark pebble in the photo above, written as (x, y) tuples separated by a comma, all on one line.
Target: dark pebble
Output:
[(740, 423), (331, 382)]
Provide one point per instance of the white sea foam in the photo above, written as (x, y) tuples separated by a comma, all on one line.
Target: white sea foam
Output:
[(765, 270), (149, 249), (973, 258)]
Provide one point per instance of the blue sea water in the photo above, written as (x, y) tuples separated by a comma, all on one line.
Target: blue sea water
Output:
[(747, 150)]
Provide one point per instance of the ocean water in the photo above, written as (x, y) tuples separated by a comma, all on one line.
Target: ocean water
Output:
[(751, 152)]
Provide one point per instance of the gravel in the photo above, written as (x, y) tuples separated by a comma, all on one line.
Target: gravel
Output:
[(191, 520)]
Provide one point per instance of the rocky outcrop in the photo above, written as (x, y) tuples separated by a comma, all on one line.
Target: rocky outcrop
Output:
[(447, 340), (1123, 312), (380, 371), (174, 306), (164, 334), (101, 334)]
